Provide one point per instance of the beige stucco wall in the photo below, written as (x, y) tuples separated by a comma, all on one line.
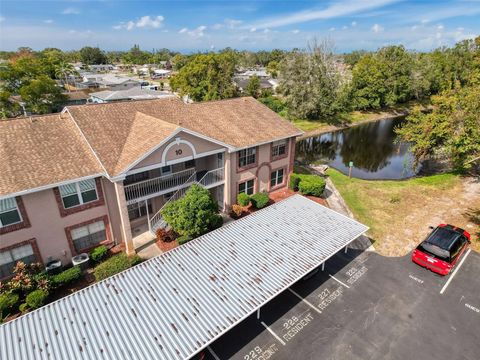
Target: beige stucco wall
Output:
[(48, 227), (260, 173), (177, 152)]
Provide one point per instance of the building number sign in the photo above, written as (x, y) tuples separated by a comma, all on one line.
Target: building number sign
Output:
[(178, 152)]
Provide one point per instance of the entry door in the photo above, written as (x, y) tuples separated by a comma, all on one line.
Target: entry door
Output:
[(220, 160), (220, 196)]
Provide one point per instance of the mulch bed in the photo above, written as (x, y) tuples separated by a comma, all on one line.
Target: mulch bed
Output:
[(166, 246)]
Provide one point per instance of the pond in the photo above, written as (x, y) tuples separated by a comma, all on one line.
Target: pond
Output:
[(372, 147)]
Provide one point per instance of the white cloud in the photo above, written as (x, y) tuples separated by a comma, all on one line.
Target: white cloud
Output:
[(377, 28), (71, 11), (217, 26), (253, 29), (195, 33), (145, 22), (48, 21), (2, 18), (232, 23), (266, 31), (296, 31), (334, 10), (354, 23), (331, 29), (344, 27), (440, 27)]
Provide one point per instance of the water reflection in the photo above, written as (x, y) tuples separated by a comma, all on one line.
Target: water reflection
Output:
[(371, 147)]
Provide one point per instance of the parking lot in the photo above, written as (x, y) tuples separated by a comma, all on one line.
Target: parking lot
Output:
[(365, 306)]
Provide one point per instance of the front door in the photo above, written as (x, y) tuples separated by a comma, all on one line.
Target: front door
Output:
[(220, 198), (219, 160)]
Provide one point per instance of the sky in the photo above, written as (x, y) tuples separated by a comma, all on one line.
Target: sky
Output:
[(212, 25)]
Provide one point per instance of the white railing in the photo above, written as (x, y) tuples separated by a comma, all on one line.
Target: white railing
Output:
[(143, 190), (211, 177), (156, 221)]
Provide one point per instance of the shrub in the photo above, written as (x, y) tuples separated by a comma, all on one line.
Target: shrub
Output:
[(68, 276), (23, 308), (183, 239), (36, 299), (311, 185), (164, 235), (237, 211), (112, 266), (243, 199), (7, 303), (135, 260), (260, 200), (99, 253), (294, 181), (195, 214)]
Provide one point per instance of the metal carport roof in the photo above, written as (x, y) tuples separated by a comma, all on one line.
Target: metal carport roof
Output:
[(175, 304)]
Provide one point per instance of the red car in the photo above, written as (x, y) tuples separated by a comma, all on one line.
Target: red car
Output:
[(442, 249)]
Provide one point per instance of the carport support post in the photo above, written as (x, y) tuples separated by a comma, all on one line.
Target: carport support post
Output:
[(323, 266), (346, 249), (258, 314)]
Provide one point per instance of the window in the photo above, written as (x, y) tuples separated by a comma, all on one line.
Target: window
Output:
[(79, 193), (246, 187), (130, 179), (276, 178), (138, 210), (279, 148), (165, 170), (88, 236), (247, 157), (190, 164), (8, 258), (9, 213)]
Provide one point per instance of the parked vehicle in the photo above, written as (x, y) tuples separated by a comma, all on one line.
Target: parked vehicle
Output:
[(442, 249)]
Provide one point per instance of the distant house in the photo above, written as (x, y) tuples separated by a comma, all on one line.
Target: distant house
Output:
[(161, 74), (75, 98), (136, 93), (101, 67), (116, 82), (242, 82), (260, 72)]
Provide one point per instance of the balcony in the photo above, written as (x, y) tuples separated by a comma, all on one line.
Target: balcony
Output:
[(149, 188)]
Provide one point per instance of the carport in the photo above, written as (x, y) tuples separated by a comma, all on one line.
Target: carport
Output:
[(174, 305)]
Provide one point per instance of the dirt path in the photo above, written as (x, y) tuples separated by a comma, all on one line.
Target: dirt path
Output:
[(457, 206)]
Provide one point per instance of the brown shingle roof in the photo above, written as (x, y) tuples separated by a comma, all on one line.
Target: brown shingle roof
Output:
[(40, 151), (45, 150), (239, 122)]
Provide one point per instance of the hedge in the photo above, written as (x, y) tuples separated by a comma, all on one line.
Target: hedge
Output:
[(260, 200), (99, 253), (113, 266), (311, 185), (184, 239), (294, 181), (36, 299), (68, 276), (7, 303), (243, 199)]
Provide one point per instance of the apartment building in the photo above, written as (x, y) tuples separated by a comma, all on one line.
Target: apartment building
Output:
[(100, 174)]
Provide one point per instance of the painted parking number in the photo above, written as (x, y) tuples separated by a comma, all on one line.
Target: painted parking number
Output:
[(254, 353)]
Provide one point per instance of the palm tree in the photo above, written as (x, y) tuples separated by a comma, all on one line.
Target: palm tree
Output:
[(63, 69)]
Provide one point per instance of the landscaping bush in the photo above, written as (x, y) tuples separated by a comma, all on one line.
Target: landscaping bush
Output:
[(36, 299), (260, 200), (243, 199), (135, 260), (23, 308), (8, 301), (237, 211), (195, 214), (184, 239), (113, 266), (294, 181), (99, 253), (311, 185), (68, 276), (164, 235)]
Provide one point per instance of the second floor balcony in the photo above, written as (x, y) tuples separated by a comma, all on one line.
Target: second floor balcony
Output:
[(159, 185)]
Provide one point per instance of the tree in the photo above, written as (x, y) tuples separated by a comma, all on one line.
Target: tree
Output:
[(8, 108), (309, 81), (136, 56), (206, 77), (195, 214), (92, 56), (272, 68), (383, 78), (42, 95), (453, 127), (253, 86), (63, 71)]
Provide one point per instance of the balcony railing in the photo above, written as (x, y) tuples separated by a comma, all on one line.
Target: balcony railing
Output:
[(212, 177), (146, 189)]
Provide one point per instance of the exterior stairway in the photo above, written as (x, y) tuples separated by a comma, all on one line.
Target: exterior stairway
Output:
[(209, 179)]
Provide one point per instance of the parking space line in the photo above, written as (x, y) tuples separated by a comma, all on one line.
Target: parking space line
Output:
[(305, 301), (273, 333), (213, 353), (334, 278), (454, 272)]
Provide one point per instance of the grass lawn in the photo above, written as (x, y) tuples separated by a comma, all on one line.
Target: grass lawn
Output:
[(399, 212)]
